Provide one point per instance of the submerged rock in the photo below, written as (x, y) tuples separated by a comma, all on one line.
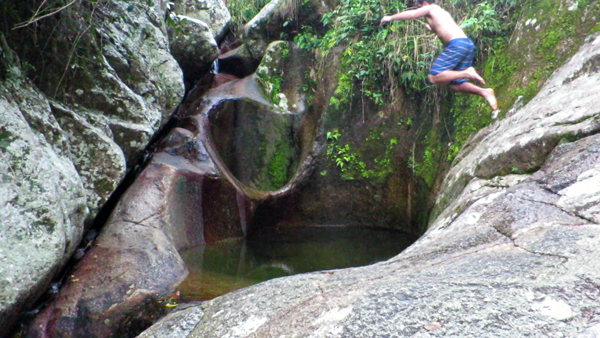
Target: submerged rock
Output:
[(508, 255)]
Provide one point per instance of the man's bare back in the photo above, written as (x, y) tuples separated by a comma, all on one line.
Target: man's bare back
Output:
[(441, 23)]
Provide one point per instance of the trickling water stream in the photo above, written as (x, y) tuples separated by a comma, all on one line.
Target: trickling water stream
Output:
[(221, 267)]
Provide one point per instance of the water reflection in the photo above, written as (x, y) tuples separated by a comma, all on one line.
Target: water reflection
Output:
[(222, 267)]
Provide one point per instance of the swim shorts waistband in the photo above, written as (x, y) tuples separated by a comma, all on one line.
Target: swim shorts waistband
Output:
[(460, 41)]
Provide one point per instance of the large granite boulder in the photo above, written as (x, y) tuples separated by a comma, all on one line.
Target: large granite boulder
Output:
[(81, 101), (42, 196), (282, 17), (510, 254), (195, 29), (113, 88)]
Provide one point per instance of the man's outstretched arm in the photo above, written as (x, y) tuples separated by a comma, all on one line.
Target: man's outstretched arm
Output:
[(408, 15)]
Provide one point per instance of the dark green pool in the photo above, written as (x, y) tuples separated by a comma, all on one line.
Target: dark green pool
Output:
[(222, 267)]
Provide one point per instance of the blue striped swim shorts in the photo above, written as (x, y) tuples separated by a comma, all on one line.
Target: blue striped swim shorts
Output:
[(458, 55)]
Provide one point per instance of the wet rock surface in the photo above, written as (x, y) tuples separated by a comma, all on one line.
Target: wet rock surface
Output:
[(192, 191), (508, 255)]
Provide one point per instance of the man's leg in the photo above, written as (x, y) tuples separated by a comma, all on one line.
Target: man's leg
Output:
[(451, 75), (469, 88)]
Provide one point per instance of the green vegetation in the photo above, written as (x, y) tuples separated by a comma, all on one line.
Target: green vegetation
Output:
[(243, 11), (379, 61), (5, 138), (595, 29), (427, 167), (272, 72), (278, 165), (277, 82), (351, 162)]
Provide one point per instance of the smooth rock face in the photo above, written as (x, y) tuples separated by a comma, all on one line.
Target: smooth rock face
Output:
[(257, 143), (508, 256), (186, 318), (42, 197)]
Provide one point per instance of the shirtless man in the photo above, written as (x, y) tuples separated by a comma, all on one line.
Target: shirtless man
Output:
[(454, 64)]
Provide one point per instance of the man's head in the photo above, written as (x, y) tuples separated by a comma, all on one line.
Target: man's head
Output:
[(422, 3)]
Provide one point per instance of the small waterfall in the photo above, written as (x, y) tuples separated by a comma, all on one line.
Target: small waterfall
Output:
[(214, 69)]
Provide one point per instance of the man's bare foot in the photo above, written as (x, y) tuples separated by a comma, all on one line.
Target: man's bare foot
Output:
[(490, 97), (472, 74)]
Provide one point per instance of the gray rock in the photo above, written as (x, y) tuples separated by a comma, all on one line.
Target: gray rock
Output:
[(508, 255), (185, 319), (266, 26), (98, 159), (193, 46), (42, 198), (281, 75), (136, 83), (112, 95), (115, 84), (212, 12)]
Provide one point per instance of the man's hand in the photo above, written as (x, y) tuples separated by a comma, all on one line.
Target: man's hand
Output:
[(385, 19)]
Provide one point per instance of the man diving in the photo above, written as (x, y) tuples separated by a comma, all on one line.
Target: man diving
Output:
[(454, 64)]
